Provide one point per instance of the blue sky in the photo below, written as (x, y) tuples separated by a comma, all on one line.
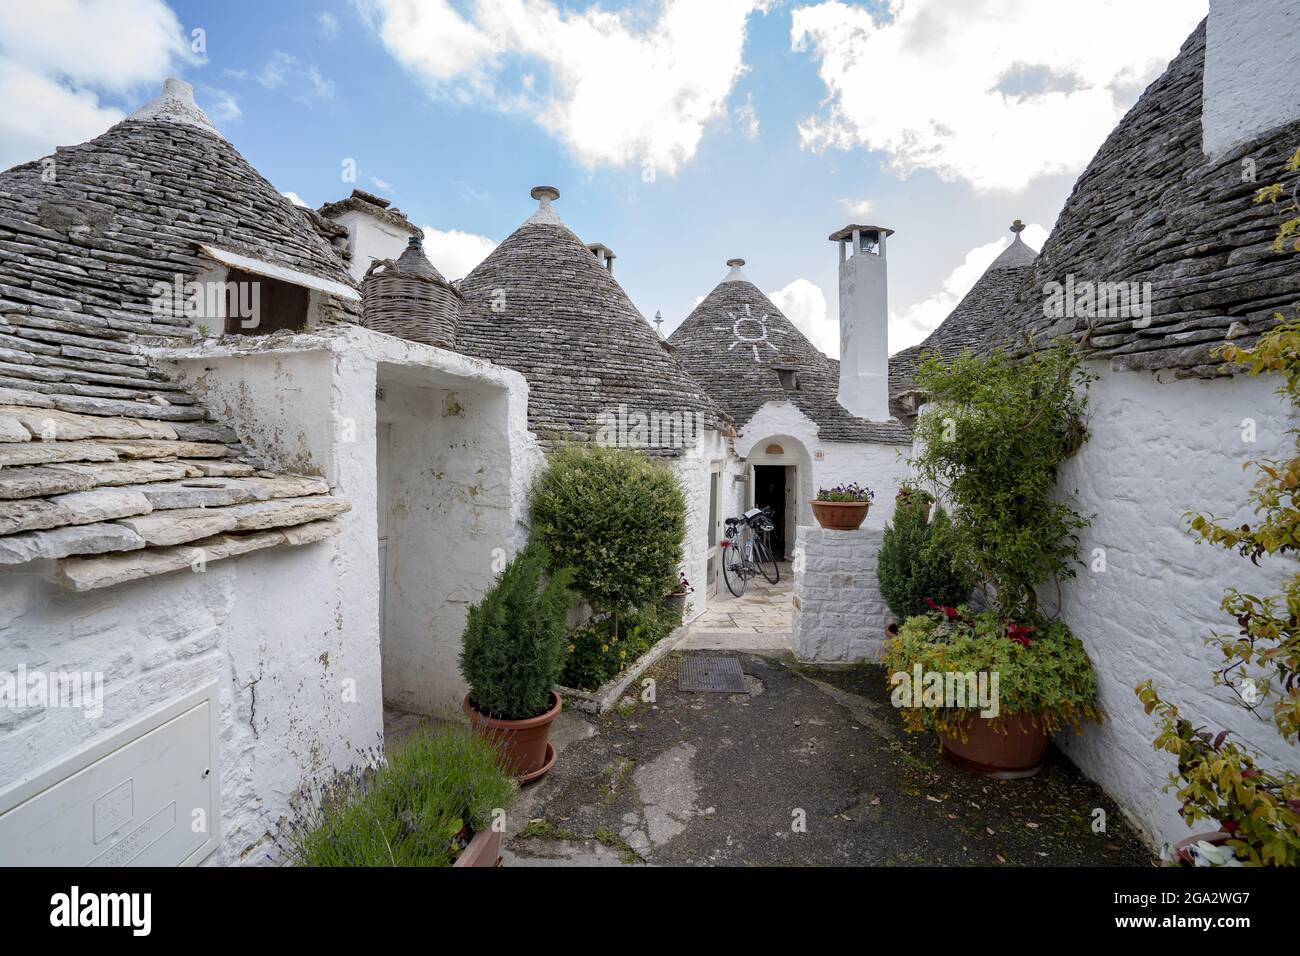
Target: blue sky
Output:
[(797, 114)]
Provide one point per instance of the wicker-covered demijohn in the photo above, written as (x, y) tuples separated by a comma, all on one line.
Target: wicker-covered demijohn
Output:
[(409, 298)]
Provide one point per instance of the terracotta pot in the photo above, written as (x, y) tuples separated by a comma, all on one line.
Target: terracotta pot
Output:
[(524, 747), (840, 515), (484, 849), (1004, 747), (924, 506)]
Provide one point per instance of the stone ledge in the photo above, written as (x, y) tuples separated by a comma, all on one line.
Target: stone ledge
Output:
[(607, 695)]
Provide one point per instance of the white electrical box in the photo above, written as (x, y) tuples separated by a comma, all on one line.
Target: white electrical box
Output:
[(146, 795)]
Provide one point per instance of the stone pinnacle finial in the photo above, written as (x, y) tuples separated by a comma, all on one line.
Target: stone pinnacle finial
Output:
[(735, 275), (659, 323), (545, 194), (1017, 227), (735, 263), (176, 105)]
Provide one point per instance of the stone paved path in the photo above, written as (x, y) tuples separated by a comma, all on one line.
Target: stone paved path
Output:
[(812, 767), (759, 620)]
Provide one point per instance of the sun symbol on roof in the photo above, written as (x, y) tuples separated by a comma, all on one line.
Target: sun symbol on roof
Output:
[(744, 327)]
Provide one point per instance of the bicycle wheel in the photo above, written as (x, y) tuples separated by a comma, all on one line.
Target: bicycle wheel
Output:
[(766, 560), (733, 569)]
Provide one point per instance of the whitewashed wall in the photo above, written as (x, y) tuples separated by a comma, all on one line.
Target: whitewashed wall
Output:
[(1157, 451), (286, 629), (694, 470)]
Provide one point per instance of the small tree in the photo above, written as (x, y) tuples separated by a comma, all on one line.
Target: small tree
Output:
[(617, 518), (919, 560), (993, 443), (513, 647)]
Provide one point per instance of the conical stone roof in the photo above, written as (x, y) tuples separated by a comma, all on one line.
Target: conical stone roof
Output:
[(542, 304), (1152, 208), (968, 325), (738, 339), (93, 227)]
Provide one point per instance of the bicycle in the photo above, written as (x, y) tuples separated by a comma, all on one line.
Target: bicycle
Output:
[(747, 550)]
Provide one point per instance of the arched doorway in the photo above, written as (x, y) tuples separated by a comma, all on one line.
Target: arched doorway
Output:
[(780, 477)]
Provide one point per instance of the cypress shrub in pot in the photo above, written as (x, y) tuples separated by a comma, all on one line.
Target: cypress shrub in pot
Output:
[(512, 654), (920, 560)]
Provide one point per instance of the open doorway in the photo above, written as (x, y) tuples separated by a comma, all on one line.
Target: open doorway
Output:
[(774, 487)]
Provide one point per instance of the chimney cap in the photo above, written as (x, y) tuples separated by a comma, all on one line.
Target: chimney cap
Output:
[(545, 193), (847, 232), (599, 248)]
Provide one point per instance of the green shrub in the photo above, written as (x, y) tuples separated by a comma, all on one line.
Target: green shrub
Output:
[(996, 434), (597, 653), (513, 646), (436, 790), (1041, 671), (920, 560), (617, 519)]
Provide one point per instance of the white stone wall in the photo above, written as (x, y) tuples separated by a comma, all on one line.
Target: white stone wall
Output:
[(1157, 451), (694, 470), (1251, 83), (291, 635), (839, 614), (370, 238)]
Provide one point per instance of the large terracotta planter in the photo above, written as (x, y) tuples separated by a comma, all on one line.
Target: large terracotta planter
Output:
[(1004, 747), (840, 515), (484, 849), (524, 745)]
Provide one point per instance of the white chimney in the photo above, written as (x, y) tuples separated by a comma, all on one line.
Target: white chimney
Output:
[(1251, 81), (603, 253), (864, 321)]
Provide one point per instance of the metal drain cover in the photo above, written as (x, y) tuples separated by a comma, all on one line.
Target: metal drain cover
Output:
[(716, 675)]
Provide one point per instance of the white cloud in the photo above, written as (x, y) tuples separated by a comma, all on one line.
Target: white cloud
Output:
[(747, 118), (283, 70), (59, 58), (381, 183), (804, 304), (222, 105), (614, 88), (995, 92), (911, 325), (294, 198), (455, 253), (859, 208), (329, 25)]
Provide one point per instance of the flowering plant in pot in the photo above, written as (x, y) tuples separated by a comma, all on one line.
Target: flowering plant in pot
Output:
[(994, 692), (997, 430), (911, 497), (512, 654), (844, 507), (676, 601)]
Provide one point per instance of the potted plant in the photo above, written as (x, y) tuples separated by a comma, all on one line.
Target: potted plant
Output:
[(911, 497), (844, 507), (994, 692), (992, 442), (436, 799), (921, 561), (512, 655), (676, 601)]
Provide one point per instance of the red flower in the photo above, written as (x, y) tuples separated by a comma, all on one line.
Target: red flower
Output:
[(949, 612), (1019, 633)]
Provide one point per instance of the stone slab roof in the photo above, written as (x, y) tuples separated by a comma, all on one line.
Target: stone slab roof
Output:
[(968, 325), (543, 305), (107, 465), (1151, 207), (739, 342)]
